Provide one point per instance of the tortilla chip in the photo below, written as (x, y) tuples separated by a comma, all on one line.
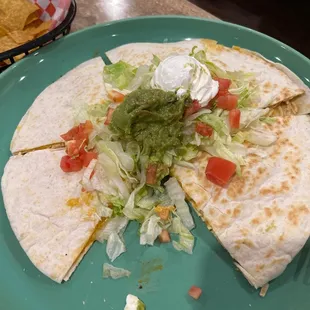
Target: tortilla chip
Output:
[(16, 13), (32, 17), (20, 36), (3, 31), (38, 28), (7, 43)]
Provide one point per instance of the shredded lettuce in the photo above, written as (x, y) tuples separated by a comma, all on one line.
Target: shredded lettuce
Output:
[(186, 152), (113, 232), (150, 230), (261, 137), (177, 196), (239, 137), (119, 75), (110, 271), (124, 162), (213, 68), (186, 239), (189, 120), (130, 211), (117, 224), (108, 180), (249, 116), (86, 182), (267, 120), (216, 122), (155, 60), (115, 246)]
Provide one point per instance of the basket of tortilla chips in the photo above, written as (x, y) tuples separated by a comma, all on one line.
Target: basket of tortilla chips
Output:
[(26, 25)]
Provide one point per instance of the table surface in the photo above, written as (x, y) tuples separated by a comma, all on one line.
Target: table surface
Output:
[(91, 12)]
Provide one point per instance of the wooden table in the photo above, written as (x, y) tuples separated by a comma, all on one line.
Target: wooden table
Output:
[(91, 12)]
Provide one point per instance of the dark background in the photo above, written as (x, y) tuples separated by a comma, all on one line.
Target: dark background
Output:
[(287, 21)]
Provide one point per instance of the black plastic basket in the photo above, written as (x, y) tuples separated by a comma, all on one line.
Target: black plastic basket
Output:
[(61, 30)]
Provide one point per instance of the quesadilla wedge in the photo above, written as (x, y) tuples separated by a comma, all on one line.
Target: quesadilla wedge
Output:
[(262, 217), (272, 84), (298, 105), (52, 113), (48, 213)]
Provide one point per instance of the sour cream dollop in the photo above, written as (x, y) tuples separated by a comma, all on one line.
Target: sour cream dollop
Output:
[(183, 73)]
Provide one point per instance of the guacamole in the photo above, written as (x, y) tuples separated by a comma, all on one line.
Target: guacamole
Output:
[(153, 118)]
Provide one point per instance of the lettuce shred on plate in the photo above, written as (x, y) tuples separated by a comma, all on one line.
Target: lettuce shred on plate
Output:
[(139, 139)]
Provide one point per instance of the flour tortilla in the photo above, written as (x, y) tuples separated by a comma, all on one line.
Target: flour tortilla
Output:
[(274, 85), (35, 192), (301, 104), (263, 217), (52, 113)]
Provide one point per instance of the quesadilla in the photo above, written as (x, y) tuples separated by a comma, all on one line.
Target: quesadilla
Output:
[(52, 113), (47, 213), (262, 218), (176, 108), (272, 84)]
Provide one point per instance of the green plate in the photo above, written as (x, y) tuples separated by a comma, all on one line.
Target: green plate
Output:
[(22, 286)]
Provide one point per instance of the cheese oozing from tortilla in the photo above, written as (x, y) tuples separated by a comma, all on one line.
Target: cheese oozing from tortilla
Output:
[(184, 73)]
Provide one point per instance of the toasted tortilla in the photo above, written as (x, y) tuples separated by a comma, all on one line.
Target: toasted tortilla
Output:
[(273, 84), (52, 113), (36, 192), (297, 106), (263, 217)]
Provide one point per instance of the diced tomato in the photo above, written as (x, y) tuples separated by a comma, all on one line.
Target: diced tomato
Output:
[(195, 107), (74, 147), (87, 127), (219, 170), (79, 132), (92, 174), (204, 129), (234, 118), (195, 292), (68, 164), (227, 102), (116, 96), (87, 157), (70, 135), (164, 236), (151, 174), (109, 116), (224, 84)]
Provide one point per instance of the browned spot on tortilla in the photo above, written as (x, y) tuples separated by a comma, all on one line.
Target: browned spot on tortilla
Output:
[(296, 212), (273, 190), (211, 211), (228, 211), (269, 253), (267, 85), (237, 247), (244, 232), (237, 211), (224, 200), (268, 212), (261, 170), (246, 242), (255, 221), (281, 238), (259, 267), (237, 186), (276, 209)]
